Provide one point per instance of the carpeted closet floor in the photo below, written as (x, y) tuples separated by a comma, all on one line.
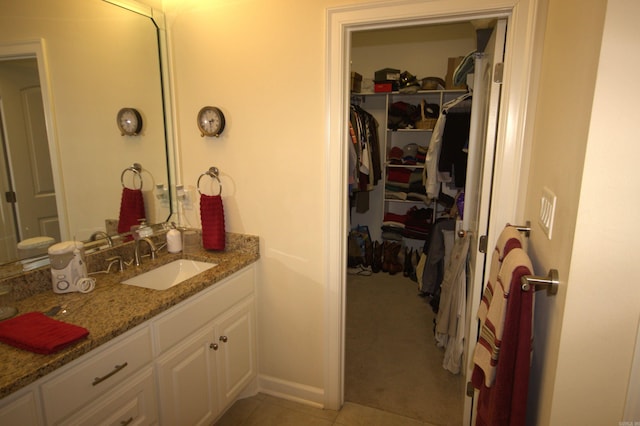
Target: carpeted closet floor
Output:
[(391, 360)]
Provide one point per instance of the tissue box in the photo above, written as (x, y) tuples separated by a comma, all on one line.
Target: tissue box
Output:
[(451, 67)]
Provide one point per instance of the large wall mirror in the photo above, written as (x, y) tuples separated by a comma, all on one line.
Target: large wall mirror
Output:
[(61, 171)]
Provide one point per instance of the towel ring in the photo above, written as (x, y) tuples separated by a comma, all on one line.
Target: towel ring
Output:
[(136, 169), (213, 174)]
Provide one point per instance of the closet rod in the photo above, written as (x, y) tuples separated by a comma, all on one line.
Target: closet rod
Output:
[(358, 99), (550, 282)]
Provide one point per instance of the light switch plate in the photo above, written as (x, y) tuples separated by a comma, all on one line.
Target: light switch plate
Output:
[(547, 211)]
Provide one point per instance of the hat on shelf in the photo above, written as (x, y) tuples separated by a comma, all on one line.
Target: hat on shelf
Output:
[(395, 155)]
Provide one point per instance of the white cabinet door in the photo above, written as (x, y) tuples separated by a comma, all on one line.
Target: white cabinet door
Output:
[(21, 411), (236, 356), (187, 381), (202, 376)]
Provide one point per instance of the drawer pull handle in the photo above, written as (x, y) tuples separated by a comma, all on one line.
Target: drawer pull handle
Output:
[(223, 339), (126, 422), (103, 378), (213, 346)]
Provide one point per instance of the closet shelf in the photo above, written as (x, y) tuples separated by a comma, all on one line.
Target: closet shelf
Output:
[(397, 200), (410, 130), (405, 166), (419, 92)]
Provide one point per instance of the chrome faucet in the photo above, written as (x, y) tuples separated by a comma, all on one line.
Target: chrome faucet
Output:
[(152, 248), (101, 235), (114, 259)]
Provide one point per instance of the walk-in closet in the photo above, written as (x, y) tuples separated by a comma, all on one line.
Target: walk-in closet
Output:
[(411, 107)]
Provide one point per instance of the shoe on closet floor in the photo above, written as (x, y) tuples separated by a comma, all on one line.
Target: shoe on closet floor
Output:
[(359, 270), (376, 264)]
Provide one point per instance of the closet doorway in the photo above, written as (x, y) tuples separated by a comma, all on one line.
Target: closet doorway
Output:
[(512, 133), (391, 358)]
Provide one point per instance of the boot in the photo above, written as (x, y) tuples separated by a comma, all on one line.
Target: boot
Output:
[(376, 265), (391, 258), (408, 255), (368, 254), (386, 256), (415, 258)]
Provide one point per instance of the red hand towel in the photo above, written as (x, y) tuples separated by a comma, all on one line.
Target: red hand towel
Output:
[(212, 218), (131, 209), (36, 332)]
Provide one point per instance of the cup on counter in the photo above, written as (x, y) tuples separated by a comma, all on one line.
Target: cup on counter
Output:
[(191, 241), (6, 301)]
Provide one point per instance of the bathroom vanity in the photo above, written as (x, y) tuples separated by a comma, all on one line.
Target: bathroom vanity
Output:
[(177, 356)]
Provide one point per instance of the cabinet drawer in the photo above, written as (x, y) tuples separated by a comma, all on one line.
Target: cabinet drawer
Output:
[(193, 314), (95, 374), (131, 403)]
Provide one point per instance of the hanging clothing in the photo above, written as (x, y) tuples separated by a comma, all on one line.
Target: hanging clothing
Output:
[(452, 163), (430, 172), (451, 318), (436, 254), (364, 154)]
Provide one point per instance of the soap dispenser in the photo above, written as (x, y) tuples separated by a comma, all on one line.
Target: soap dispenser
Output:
[(174, 240)]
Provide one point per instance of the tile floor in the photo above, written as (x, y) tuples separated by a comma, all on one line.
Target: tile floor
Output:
[(267, 410)]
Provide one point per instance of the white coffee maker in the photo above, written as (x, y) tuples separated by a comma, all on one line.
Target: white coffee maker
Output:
[(68, 268)]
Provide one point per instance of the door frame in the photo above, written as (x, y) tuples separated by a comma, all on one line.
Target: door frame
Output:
[(512, 145)]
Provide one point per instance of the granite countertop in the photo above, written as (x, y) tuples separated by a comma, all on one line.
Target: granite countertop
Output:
[(112, 308)]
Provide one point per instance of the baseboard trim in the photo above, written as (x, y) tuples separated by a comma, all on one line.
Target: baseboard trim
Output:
[(291, 391)]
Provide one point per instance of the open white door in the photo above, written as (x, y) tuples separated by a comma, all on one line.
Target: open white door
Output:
[(482, 138), (36, 205)]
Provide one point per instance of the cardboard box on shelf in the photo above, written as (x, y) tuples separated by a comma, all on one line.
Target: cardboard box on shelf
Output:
[(451, 67), (356, 82), (387, 74)]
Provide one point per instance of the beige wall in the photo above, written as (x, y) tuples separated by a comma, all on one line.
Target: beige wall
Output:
[(423, 50), (585, 335), (263, 63), (603, 300)]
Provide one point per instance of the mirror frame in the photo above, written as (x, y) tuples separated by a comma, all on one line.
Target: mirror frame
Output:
[(158, 19)]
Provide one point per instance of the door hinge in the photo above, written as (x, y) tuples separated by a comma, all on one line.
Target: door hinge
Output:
[(470, 389), (482, 244), (10, 196), (498, 70)]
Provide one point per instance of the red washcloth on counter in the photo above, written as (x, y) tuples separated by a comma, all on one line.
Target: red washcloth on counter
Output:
[(212, 218), (131, 209), (36, 332)]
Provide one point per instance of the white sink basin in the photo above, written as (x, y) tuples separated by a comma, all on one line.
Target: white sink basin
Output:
[(166, 276)]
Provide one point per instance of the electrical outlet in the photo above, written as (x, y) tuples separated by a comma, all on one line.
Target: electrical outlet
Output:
[(547, 211)]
